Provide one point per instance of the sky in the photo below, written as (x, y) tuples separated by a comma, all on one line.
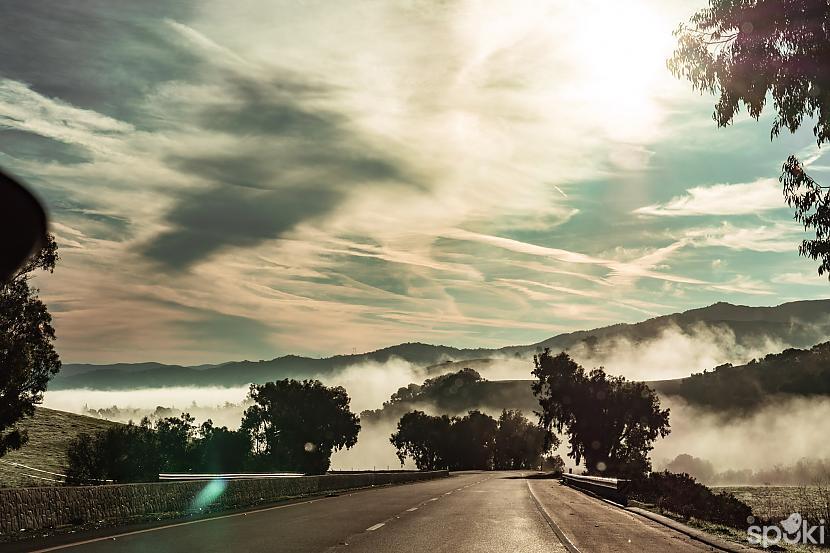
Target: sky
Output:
[(249, 179)]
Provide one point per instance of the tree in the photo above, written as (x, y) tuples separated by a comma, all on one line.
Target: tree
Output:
[(27, 356), (473, 441), (222, 450), (175, 437), (745, 50), (520, 444), (424, 438), (122, 453), (611, 423), (297, 425)]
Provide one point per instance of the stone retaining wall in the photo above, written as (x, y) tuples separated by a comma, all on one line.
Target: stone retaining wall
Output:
[(33, 509)]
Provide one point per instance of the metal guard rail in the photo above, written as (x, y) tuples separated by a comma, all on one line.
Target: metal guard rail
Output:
[(614, 489)]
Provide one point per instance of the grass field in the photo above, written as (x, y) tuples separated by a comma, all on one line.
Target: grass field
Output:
[(778, 502), (50, 432)]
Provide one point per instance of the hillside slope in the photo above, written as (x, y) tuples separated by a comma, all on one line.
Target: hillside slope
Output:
[(793, 372), (50, 432)]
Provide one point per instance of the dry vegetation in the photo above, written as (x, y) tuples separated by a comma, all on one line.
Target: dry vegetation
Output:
[(778, 502), (50, 432)]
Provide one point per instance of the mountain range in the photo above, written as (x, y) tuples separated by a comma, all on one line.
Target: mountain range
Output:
[(797, 324)]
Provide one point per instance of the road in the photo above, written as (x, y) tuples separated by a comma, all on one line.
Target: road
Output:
[(468, 512)]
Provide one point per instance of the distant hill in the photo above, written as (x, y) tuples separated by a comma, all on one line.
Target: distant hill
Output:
[(726, 389), (50, 432), (793, 372), (797, 324)]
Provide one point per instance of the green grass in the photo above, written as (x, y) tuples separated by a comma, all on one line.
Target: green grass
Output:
[(50, 432)]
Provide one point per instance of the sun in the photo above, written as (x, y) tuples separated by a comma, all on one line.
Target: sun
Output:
[(619, 51)]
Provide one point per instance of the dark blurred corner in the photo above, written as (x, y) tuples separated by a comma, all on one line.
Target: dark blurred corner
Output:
[(22, 225)]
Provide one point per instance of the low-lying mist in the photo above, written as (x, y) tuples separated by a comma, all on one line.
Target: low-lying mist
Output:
[(223, 405), (674, 353), (784, 442)]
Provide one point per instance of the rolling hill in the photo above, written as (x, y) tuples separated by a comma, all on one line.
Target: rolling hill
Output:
[(797, 324), (49, 432)]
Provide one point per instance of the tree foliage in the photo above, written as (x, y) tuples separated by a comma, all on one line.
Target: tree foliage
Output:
[(520, 443), (424, 438), (27, 356), (611, 423), (744, 50), (138, 453), (474, 441), (122, 453), (748, 50), (297, 425), (812, 209)]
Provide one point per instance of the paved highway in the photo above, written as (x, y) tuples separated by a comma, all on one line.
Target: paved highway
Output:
[(468, 512)]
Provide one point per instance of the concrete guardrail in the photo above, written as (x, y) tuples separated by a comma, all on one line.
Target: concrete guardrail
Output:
[(35, 509)]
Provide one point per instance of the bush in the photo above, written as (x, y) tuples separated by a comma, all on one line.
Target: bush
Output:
[(123, 453), (683, 495)]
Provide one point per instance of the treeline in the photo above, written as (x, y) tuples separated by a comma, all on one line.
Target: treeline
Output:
[(799, 372), (139, 452), (474, 441), (291, 426)]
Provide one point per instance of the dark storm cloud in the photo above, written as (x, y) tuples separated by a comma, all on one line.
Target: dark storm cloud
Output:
[(103, 55), (30, 146), (290, 164), (225, 216)]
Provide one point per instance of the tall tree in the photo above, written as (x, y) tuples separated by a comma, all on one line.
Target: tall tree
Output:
[(27, 356), (747, 50), (175, 437), (425, 438), (473, 441), (520, 444), (222, 450), (297, 425), (611, 423)]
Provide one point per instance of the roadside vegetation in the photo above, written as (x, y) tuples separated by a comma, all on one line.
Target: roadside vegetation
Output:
[(292, 426), (27, 354)]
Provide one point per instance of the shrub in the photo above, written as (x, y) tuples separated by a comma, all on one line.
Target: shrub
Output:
[(683, 495)]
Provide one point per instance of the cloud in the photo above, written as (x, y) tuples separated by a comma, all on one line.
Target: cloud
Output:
[(99, 55), (311, 168), (721, 199), (620, 271), (775, 237)]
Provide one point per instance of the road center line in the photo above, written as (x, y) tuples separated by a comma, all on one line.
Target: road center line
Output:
[(412, 509), (375, 527)]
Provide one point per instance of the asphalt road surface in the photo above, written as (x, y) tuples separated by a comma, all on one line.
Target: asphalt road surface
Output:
[(468, 512)]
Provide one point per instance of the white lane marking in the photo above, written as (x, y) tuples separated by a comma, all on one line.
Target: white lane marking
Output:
[(448, 493), (434, 499), (412, 509), (375, 526)]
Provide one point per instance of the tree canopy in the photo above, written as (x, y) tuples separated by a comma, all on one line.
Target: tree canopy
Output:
[(138, 453), (474, 441), (611, 423), (297, 425), (748, 50), (27, 355)]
